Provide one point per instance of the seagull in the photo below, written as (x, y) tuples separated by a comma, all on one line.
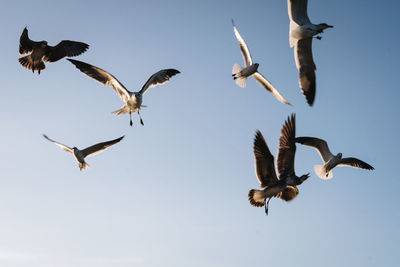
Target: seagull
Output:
[(49, 53), (330, 161), (240, 74), (80, 155), (133, 100), (301, 34), (284, 187)]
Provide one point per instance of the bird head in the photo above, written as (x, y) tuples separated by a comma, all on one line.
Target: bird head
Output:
[(256, 65), (339, 155), (324, 26), (303, 178)]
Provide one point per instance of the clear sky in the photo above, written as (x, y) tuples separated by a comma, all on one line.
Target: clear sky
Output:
[(174, 192)]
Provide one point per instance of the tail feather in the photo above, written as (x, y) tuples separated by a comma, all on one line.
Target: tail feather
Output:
[(257, 197), (240, 80), (83, 165), (320, 170), (123, 110), (29, 63)]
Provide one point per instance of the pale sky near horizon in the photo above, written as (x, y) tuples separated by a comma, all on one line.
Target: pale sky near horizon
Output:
[(174, 192)]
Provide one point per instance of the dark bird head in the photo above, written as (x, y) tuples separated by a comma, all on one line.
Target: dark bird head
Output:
[(256, 65), (303, 178), (339, 155), (43, 44), (324, 26)]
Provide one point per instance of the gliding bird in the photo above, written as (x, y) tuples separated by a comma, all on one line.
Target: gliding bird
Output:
[(330, 161), (284, 187), (80, 155), (133, 100), (301, 34), (240, 74), (49, 53)]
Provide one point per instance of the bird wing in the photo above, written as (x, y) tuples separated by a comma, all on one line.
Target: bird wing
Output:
[(243, 47), (264, 161), (66, 148), (297, 10), (319, 144), (64, 48), (289, 193), (97, 148), (157, 78), (306, 66), (356, 163), (287, 148), (25, 44), (267, 85), (102, 76)]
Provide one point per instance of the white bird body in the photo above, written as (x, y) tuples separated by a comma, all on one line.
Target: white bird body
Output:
[(299, 32)]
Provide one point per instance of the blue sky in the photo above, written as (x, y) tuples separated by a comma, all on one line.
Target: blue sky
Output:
[(174, 192)]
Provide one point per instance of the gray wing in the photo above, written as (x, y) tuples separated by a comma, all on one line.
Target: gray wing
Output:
[(267, 85), (102, 76), (97, 148), (319, 144), (264, 162), (65, 48), (25, 44), (157, 78), (356, 163), (297, 10), (243, 47), (287, 148), (306, 66), (66, 148)]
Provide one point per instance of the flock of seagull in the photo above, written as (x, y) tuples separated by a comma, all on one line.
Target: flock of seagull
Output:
[(284, 186)]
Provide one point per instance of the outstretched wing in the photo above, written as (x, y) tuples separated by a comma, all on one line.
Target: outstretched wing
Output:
[(306, 67), (25, 44), (66, 148), (267, 85), (65, 48), (157, 78), (264, 161), (356, 163), (297, 10), (102, 76), (287, 148), (243, 47), (319, 144), (97, 148)]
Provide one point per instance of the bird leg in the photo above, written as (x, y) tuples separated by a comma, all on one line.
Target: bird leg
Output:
[(266, 207), (141, 121), (130, 119)]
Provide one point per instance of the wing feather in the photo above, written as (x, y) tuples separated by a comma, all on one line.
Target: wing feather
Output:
[(264, 162), (287, 148), (102, 76), (97, 148), (157, 78), (297, 10), (319, 144), (25, 44), (356, 163), (66, 148), (306, 67), (243, 47), (65, 48), (269, 87)]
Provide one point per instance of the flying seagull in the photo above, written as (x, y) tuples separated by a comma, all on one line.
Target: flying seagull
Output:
[(301, 34), (80, 155), (284, 187), (49, 53), (240, 74), (330, 161), (133, 100)]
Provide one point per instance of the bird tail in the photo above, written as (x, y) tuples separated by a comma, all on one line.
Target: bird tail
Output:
[(83, 165), (123, 110), (239, 79), (32, 64), (257, 197), (322, 173)]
